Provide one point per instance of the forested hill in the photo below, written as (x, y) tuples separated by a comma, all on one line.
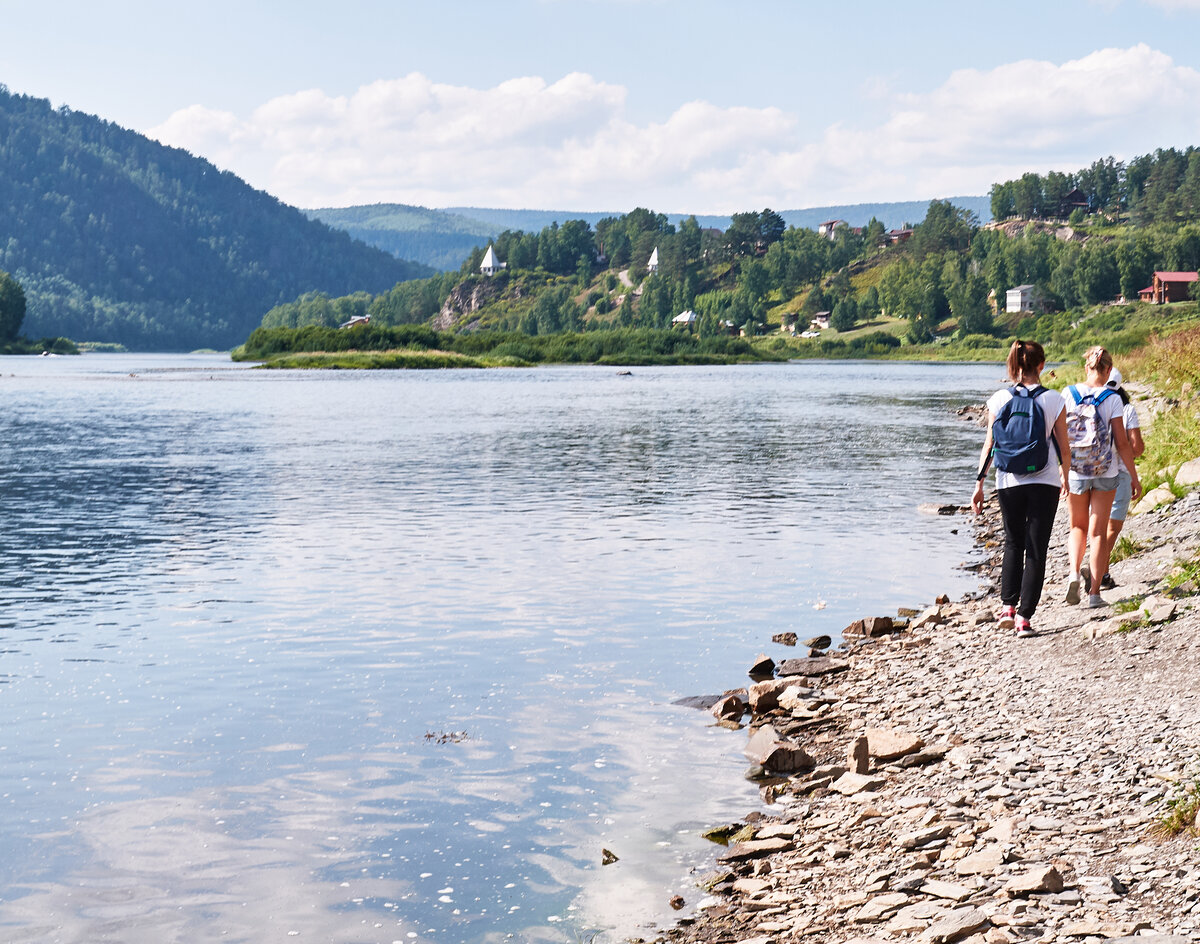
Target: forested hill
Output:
[(443, 238), (117, 238)]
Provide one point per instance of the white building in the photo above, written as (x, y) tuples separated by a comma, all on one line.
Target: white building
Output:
[(685, 318), (652, 265), (491, 265), (1019, 299)]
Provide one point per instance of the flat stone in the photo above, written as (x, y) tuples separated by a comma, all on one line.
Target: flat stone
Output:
[(957, 924), (930, 617), (1039, 879), (880, 907), (984, 862), (819, 642), (851, 783), (751, 886), (947, 890), (920, 837), (810, 667), (1151, 939), (756, 849), (888, 743), (785, 639)]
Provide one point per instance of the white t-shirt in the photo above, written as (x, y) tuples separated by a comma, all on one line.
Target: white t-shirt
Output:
[(1129, 415), (1052, 406), (1112, 408)]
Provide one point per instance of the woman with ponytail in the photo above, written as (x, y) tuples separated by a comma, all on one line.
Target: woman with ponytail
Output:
[(1099, 448), (1027, 439)]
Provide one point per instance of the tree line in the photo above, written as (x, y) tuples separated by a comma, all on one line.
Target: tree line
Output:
[(1163, 187)]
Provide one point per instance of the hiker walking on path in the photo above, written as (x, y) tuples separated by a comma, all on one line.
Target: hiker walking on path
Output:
[(1027, 440), (1121, 500), (1099, 446)]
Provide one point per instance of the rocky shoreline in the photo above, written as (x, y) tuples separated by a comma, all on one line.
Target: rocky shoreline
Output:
[(936, 779)]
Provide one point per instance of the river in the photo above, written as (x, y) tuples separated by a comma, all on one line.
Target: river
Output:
[(391, 656)]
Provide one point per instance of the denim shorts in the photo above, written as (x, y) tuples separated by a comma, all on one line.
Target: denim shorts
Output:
[(1087, 483), (1120, 506)]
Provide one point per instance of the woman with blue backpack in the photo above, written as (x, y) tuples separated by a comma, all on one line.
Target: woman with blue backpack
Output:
[(1027, 441), (1099, 448)]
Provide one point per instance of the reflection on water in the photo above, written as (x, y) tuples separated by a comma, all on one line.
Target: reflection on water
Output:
[(237, 610)]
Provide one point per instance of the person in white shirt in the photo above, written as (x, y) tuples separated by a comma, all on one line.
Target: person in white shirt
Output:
[(1120, 508), (1028, 500), (1093, 479)]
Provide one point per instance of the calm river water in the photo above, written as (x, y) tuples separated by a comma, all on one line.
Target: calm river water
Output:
[(375, 657)]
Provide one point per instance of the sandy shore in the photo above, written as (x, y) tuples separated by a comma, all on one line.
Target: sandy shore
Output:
[(1008, 789)]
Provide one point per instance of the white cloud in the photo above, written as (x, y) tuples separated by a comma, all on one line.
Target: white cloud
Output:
[(570, 144)]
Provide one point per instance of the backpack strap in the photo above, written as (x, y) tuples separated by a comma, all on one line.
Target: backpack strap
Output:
[(1103, 395), (1075, 394)]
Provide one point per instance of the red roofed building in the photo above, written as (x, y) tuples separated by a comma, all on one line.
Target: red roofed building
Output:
[(1171, 286)]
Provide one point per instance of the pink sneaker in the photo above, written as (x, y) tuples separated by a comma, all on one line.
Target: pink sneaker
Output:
[(1006, 616), (1024, 630)]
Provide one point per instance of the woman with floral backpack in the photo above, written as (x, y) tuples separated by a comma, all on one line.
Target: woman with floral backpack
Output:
[(1099, 446)]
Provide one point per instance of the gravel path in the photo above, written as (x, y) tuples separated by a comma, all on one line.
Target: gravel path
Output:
[(1013, 785)]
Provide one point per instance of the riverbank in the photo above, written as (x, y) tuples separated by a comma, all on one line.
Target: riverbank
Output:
[(955, 783)]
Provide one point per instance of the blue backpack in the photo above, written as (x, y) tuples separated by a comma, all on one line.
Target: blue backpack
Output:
[(1019, 443)]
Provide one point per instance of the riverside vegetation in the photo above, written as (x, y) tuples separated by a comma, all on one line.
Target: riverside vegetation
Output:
[(934, 291)]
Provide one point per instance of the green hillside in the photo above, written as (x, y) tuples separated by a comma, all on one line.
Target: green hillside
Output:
[(116, 238), (433, 237)]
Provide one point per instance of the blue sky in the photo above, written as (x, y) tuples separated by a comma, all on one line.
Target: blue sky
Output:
[(692, 106)]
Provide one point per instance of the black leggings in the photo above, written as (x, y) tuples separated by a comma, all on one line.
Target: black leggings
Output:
[(1028, 512)]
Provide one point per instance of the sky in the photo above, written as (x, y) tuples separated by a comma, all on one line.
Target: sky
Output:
[(691, 106)]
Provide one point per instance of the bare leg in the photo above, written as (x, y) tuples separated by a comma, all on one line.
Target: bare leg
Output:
[(1077, 515), (1098, 533), (1114, 532)]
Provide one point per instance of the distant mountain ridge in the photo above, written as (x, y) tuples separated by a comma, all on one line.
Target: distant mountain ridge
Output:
[(117, 238), (443, 238)]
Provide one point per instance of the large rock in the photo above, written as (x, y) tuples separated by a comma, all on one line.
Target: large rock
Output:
[(763, 666), (729, 708), (872, 626), (764, 696), (984, 862), (888, 744), (1152, 499), (1039, 879), (958, 924), (776, 754), (810, 667), (1189, 473)]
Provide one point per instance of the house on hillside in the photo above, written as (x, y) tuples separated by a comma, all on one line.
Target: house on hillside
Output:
[(1075, 200), (355, 321), (1170, 287), (829, 227), (491, 265), (895, 236), (1020, 299), (652, 263), (685, 319), (820, 321)]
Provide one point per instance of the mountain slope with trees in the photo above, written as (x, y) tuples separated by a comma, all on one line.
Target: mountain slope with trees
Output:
[(116, 238)]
